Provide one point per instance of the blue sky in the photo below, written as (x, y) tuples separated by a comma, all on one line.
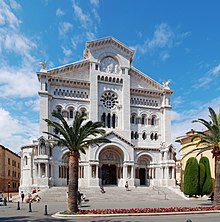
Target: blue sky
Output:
[(173, 40)]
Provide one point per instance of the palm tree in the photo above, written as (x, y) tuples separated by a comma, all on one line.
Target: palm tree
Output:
[(209, 140), (76, 138)]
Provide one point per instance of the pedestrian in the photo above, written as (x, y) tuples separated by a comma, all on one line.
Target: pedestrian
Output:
[(126, 186), (22, 196), (102, 189)]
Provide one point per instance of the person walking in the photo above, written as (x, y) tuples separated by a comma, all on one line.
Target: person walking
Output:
[(22, 196)]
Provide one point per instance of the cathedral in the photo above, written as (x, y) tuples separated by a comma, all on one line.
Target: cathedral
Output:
[(134, 108)]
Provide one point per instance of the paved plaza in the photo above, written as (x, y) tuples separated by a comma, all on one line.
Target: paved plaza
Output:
[(56, 200)]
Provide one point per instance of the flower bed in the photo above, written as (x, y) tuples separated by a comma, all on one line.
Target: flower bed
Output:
[(147, 210)]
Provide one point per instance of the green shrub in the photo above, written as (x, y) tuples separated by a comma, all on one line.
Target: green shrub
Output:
[(207, 185), (202, 177), (191, 177)]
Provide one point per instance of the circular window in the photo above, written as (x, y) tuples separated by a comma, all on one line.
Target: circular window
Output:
[(109, 100)]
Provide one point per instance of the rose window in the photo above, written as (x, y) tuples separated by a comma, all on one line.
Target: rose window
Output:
[(109, 100)]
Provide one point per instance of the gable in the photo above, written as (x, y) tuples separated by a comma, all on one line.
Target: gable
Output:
[(141, 81)]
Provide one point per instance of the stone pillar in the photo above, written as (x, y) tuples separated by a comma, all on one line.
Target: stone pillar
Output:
[(132, 172), (124, 171), (46, 169), (39, 170), (97, 171)]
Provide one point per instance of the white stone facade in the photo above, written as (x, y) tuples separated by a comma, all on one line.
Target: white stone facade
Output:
[(135, 110)]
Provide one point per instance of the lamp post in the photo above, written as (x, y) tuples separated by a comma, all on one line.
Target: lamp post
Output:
[(9, 184)]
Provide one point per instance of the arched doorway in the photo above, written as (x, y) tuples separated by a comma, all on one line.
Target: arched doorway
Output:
[(110, 165), (142, 170), (109, 174)]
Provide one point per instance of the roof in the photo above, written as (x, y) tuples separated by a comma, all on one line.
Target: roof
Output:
[(108, 40)]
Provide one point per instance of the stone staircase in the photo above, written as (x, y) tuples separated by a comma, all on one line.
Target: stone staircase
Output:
[(112, 193)]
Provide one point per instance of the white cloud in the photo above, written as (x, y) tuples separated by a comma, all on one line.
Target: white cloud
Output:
[(60, 12), (7, 17), (83, 17), (90, 36), (66, 52), (215, 70), (164, 56), (64, 28), (18, 82), (14, 132), (95, 2), (207, 78), (15, 5), (33, 104), (182, 122)]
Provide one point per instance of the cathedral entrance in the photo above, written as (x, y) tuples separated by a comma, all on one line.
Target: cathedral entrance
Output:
[(142, 176), (111, 165), (109, 174), (143, 166)]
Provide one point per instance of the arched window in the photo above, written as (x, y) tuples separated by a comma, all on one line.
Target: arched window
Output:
[(156, 136), (136, 135), (71, 113), (143, 119), (151, 136), (59, 109), (113, 120), (109, 120), (25, 161), (132, 135), (153, 120), (133, 118), (144, 136), (103, 117)]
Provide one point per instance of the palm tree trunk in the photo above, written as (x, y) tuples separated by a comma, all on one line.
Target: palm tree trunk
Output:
[(217, 179), (73, 182)]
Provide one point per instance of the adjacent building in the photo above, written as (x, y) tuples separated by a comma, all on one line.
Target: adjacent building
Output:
[(10, 170), (185, 140), (135, 110)]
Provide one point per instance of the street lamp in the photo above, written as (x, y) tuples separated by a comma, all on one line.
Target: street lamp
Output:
[(9, 184)]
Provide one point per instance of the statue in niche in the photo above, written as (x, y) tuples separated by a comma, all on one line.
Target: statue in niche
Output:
[(43, 148), (109, 65)]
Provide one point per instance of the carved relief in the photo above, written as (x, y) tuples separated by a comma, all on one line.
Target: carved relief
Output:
[(110, 65)]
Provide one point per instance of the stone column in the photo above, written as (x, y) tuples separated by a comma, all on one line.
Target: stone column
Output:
[(124, 171), (39, 170), (97, 171)]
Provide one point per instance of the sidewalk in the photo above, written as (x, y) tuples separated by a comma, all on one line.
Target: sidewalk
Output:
[(113, 198)]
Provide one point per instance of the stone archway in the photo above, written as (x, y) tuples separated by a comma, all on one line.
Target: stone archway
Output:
[(111, 165), (143, 172)]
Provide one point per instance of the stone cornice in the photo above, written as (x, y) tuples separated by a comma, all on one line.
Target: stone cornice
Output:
[(60, 81), (153, 84), (65, 68), (145, 92), (145, 148), (105, 41)]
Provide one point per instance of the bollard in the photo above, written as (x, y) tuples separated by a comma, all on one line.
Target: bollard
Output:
[(45, 210), (18, 207), (30, 210), (5, 202)]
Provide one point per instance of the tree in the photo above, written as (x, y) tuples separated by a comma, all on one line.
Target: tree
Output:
[(206, 185), (210, 140), (76, 138), (191, 177)]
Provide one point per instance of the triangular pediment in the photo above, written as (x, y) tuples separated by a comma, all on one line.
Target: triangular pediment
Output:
[(108, 42), (141, 81), (112, 135)]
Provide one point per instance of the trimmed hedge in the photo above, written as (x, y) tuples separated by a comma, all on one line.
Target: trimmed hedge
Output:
[(191, 177), (207, 185)]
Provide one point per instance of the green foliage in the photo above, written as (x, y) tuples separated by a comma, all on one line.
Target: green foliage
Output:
[(202, 177), (207, 185), (191, 177)]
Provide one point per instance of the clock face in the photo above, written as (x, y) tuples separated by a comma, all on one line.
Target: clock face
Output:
[(110, 65)]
